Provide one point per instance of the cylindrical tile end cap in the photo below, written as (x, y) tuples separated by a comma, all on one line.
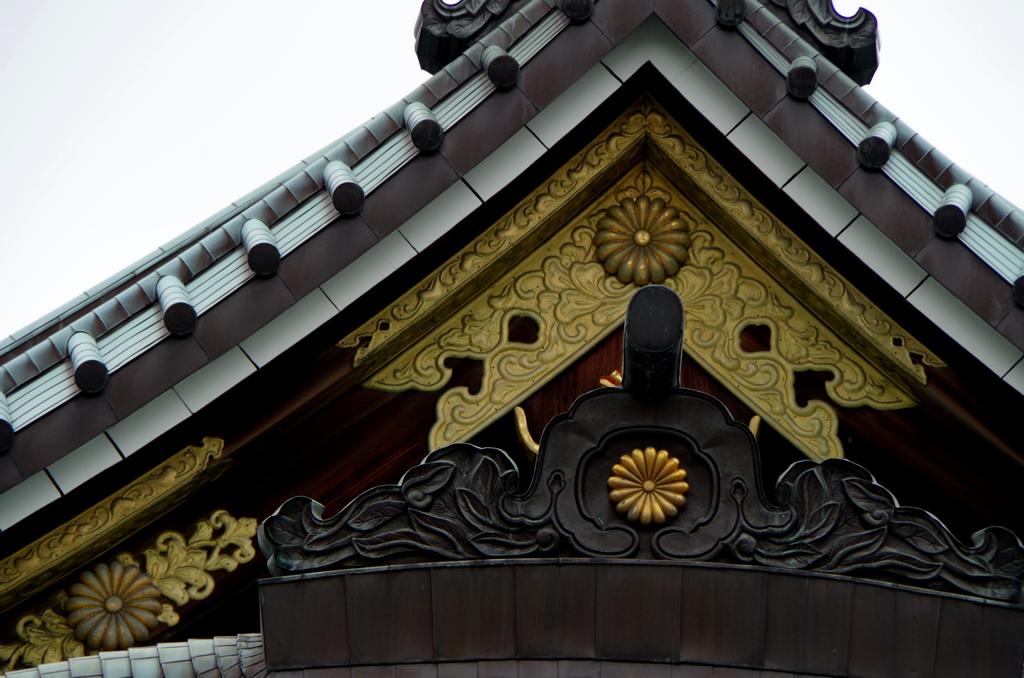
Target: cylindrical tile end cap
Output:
[(180, 319), (730, 13), (90, 370), (6, 436), (874, 150), (264, 258), (802, 78), (346, 193), (578, 11), (427, 133), (91, 376), (501, 67)]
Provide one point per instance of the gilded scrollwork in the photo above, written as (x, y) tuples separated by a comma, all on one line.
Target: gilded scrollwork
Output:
[(116, 605), (67, 547), (575, 303), (826, 290), (181, 567)]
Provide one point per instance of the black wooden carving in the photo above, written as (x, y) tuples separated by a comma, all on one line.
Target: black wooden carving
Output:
[(463, 502), (445, 29), (448, 507), (841, 520), (851, 43)]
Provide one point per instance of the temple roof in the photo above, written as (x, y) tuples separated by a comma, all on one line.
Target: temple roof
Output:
[(180, 328)]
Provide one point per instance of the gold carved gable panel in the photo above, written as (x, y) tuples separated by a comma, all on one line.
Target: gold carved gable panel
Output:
[(667, 215)]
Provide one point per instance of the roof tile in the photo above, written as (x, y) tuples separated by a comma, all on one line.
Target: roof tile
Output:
[(763, 20), (323, 255), (424, 95), (967, 277), (954, 174), (441, 84), (361, 141), (617, 20), (994, 210), (817, 143), (381, 126), (742, 69), (889, 208), (562, 62), (1012, 226), (934, 163), (535, 11), (64, 429), (688, 20), (281, 201), (1012, 327), (301, 186), (838, 85), (915, 148)]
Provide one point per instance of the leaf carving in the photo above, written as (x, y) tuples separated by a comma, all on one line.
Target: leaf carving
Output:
[(921, 535), (376, 514)]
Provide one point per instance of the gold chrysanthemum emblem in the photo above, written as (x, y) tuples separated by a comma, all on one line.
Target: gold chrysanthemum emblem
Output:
[(648, 485), (642, 240), (113, 607)]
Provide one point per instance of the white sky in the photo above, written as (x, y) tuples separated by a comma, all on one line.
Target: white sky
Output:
[(124, 123)]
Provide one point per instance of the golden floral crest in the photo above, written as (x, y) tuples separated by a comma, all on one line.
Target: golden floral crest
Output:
[(642, 240), (116, 605), (648, 485)]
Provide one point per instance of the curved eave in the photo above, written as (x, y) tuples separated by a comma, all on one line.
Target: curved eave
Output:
[(734, 78)]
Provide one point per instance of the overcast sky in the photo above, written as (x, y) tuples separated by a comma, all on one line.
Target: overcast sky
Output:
[(123, 123)]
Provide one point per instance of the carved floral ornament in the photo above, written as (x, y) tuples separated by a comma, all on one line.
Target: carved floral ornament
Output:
[(564, 286), (119, 604), (648, 485), (643, 240)]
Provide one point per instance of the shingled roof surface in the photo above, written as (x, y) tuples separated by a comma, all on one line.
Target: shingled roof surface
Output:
[(327, 261)]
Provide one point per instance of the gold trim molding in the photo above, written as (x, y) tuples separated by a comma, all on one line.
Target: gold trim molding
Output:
[(94, 530), (743, 268)]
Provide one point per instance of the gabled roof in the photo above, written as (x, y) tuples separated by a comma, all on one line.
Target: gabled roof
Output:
[(735, 76)]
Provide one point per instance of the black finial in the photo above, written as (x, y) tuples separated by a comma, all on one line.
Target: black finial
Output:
[(653, 343)]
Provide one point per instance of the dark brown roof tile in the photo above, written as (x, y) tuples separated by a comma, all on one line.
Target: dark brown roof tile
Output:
[(934, 163), (152, 373), (858, 101), (562, 62), (9, 473), (889, 208), (994, 210), (782, 37), (688, 20), (980, 191), (817, 143), (742, 69), (406, 192), (1012, 226), (838, 85), (249, 308), (326, 253), (967, 276), (618, 20), (915, 148), (535, 11), (491, 123), (763, 20), (954, 174), (64, 429), (1012, 327)]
